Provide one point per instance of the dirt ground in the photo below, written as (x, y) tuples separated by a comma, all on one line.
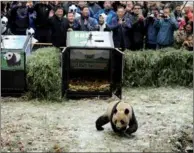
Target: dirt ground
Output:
[(165, 117)]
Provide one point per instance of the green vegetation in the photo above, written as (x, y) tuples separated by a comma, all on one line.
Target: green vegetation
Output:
[(166, 67)]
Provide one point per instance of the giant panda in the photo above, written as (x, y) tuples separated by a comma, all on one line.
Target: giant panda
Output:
[(121, 116), (12, 59)]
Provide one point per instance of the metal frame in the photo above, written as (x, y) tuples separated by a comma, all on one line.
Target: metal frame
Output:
[(16, 91), (65, 75)]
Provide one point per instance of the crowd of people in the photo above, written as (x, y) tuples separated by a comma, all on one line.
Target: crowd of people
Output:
[(135, 25)]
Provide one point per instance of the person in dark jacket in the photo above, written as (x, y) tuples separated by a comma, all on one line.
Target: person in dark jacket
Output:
[(18, 21), (138, 28), (102, 23), (85, 22), (178, 13), (129, 9), (73, 24), (151, 31), (43, 10), (59, 26), (167, 25), (120, 27)]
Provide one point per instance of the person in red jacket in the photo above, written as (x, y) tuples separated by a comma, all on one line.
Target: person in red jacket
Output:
[(189, 12)]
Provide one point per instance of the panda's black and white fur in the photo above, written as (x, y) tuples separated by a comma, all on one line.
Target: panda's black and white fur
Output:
[(30, 31), (73, 9), (121, 116), (4, 22), (13, 59)]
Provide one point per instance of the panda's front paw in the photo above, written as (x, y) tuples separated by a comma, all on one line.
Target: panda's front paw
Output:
[(100, 128)]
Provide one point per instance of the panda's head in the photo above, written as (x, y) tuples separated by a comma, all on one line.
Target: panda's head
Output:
[(121, 118), (4, 21), (73, 9), (8, 56)]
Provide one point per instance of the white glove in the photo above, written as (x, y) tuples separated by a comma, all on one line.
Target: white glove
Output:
[(30, 31)]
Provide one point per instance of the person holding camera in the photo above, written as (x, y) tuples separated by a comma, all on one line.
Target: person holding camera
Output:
[(166, 25), (138, 28), (151, 31)]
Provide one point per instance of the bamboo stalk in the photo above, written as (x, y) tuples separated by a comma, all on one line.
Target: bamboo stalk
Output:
[(47, 44)]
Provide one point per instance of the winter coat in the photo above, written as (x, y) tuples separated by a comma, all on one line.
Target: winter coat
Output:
[(151, 31), (177, 15), (166, 30), (94, 8), (87, 23), (42, 17), (120, 32), (58, 30), (19, 20), (110, 14), (138, 32)]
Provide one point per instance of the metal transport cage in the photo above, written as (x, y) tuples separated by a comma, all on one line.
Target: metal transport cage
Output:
[(13, 64), (91, 66)]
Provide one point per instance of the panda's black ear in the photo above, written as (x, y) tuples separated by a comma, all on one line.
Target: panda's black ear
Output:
[(115, 111), (126, 111)]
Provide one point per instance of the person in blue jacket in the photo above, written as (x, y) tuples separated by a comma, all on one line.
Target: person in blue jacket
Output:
[(108, 11), (167, 25), (85, 22), (151, 31), (120, 25), (93, 7)]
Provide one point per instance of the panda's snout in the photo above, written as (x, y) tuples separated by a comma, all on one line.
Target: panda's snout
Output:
[(121, 128), (118, 127)]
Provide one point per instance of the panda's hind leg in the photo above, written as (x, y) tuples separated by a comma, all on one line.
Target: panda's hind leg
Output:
[(102, 120)]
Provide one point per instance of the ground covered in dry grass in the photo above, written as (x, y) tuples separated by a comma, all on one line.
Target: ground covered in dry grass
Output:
[(165, 117)]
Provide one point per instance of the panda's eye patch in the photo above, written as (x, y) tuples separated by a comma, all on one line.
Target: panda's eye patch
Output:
[(122, 122), (115, 111), (9, 55)]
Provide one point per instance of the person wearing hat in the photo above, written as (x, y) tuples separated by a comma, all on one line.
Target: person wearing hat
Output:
[(107, 10), (102, 22)]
